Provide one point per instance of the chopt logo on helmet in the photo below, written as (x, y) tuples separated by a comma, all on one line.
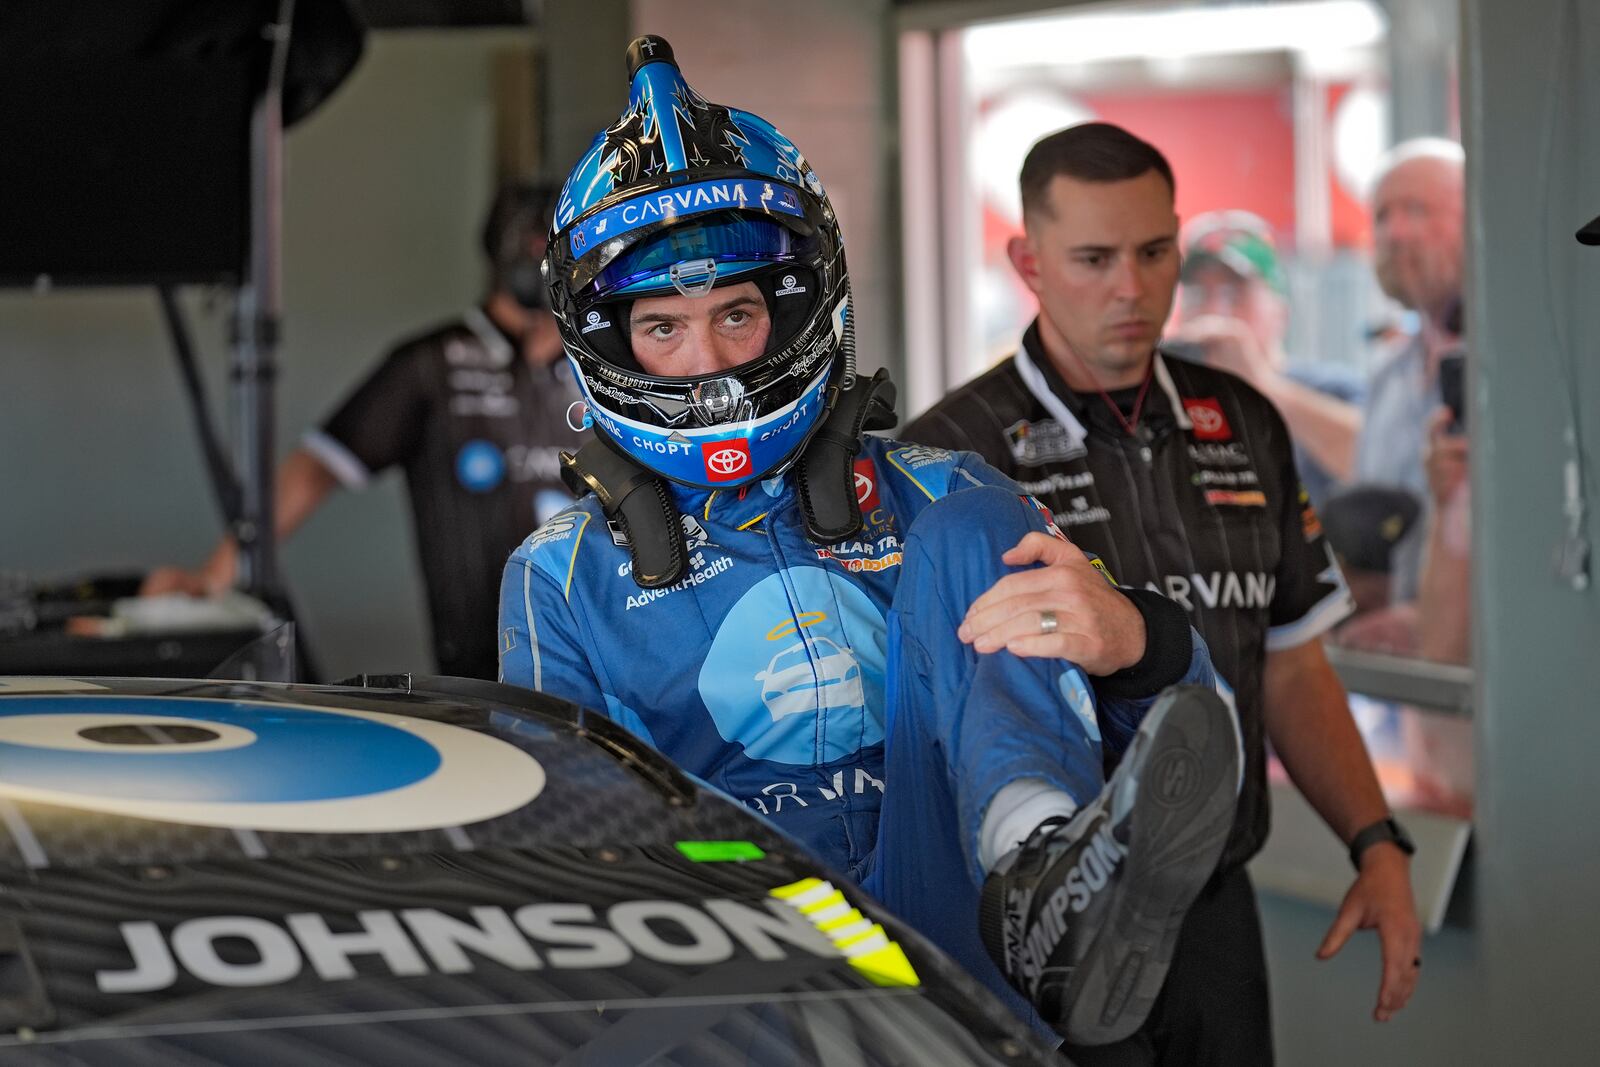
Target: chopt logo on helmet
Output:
[(866, 485), (1210, 424), (726, 460)]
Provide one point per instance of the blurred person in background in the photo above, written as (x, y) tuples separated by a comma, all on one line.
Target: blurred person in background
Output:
[(1234, 314), (1418, 238), (475, 412)]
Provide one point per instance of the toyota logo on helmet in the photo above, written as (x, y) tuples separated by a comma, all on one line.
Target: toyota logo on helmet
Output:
[(728, 461), (682, 196)]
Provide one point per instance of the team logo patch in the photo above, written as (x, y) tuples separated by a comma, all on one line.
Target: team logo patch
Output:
[(558, 528), (694, 535), (235, 763), (866, 485), (595, 321), (1311, 523), (1050, 526), (1080, 512), (783, 677), (1043, 441), (791, 286), (726, 460), (915, 457), (1210, 424), (1231, 454), (1248, 498)]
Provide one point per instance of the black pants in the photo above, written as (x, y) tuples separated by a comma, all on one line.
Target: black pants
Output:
[(1213, 1008)]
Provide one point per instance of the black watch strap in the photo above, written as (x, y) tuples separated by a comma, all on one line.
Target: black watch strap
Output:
[(1385, 829)]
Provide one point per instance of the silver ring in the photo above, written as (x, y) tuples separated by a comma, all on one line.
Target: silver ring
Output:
[(1048, 623)]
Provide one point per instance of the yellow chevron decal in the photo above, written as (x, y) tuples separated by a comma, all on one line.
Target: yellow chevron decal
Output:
[(864, 944)]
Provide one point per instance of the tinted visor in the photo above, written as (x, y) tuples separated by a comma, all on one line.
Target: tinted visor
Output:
[(733, 242)]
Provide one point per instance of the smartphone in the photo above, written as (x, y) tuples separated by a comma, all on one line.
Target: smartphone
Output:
[(1453, 388)]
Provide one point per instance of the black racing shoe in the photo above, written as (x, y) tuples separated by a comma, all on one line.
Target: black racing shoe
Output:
[(1084, 917)]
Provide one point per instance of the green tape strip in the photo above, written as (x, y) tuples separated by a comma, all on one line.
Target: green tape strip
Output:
[(719, 851)]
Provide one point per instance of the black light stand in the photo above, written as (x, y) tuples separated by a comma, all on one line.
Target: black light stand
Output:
[(257, 317)]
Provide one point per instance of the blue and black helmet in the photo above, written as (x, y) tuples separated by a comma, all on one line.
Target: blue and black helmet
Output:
[(682, 195)]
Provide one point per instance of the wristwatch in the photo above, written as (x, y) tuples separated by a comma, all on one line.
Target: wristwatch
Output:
[(1385, 829)]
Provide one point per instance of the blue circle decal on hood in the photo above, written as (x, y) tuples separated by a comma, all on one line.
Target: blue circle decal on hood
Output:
[(269, 766)]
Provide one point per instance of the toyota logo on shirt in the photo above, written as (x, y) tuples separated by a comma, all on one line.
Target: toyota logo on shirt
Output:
[(726, 460), (1210, 424)]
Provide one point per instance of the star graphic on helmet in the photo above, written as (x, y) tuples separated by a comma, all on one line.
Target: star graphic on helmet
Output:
[(636, 146), (688, 99)]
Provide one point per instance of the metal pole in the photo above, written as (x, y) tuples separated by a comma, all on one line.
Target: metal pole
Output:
[(257, 316)]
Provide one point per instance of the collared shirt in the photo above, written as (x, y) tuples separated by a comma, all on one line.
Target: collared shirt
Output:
[(1204, 506), (478, 431)]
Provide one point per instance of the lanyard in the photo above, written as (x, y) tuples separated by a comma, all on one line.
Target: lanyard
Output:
[(1129, 425)]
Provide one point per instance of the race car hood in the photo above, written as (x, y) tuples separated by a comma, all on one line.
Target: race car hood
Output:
[(439, 872)]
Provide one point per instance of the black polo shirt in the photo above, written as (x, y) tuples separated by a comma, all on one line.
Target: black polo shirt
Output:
[(478, 431), (1203, 505)]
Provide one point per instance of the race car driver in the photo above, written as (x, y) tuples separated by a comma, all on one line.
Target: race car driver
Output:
[(773, 599)]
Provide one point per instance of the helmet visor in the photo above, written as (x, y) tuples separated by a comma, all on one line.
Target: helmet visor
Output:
[(719, 247)]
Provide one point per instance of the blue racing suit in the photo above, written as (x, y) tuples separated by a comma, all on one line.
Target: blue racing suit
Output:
[(776, 670)]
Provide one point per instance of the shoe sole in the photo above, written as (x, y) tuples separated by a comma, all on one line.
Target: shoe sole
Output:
[(1181, 778)]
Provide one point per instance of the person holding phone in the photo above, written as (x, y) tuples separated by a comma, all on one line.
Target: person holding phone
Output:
[(1233, 314), (1418, 236)]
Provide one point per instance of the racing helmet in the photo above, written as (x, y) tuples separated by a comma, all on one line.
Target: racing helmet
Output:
[(681, 195)]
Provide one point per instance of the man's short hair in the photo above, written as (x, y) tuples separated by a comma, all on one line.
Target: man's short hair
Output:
[(1089, 152)]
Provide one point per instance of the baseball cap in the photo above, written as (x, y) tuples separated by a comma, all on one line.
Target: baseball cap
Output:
[(1239, 240), (1364, 522)]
